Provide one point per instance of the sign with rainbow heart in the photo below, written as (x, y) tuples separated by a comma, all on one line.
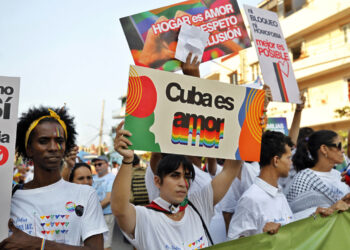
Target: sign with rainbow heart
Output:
[(9, 94), (173, 113), (272, 50)]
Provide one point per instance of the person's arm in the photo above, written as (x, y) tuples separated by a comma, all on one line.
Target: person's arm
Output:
[(294, 128), (106, 201), (191, 66), (267, 100), (123, 210), (20, 240), (69, 162), (212, 166), (222, 181)]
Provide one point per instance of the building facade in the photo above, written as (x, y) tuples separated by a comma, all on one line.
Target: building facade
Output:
[(318, 36)]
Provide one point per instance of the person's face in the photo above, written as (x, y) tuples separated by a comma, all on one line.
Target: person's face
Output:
[(47, 145), (335, 151), (284, 162), (83, 175), (101, 167), (175, 186)]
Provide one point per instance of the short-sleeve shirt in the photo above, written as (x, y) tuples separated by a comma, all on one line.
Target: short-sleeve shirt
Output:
[(155, 230), (50, 212), (260, 204), (103, 185)]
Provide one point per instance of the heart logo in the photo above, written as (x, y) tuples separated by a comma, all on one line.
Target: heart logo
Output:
[(4, 155), (42, 224), (284, 66), (43, 232)]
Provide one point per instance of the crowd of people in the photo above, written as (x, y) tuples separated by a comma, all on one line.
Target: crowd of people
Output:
[(173, 203)]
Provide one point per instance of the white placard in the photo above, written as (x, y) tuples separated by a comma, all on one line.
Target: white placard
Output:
[(9, 95), (272, 50)]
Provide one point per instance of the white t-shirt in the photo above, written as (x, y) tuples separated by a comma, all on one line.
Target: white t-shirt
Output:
[(333, 180), (260, 204), (49, 212), (201, 179), (154, 230), (248, 174)]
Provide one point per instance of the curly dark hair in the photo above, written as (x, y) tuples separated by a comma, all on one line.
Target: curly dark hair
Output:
[(306, 155), (273, 144), (34, 113)]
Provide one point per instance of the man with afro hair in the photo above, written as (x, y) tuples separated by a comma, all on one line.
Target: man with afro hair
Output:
[(48, 212)]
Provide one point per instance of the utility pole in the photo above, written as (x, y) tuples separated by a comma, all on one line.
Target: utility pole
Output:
[(101, 129)]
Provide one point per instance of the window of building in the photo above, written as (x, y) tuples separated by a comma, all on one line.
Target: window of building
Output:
[(298, 51), (233, 78), (346, 31), (254, 68), (291, 6), (288, 8)]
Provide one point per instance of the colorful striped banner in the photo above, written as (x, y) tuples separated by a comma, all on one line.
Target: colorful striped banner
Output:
[(280, 82)]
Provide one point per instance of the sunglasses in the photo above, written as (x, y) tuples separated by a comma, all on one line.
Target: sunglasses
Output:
[(98, 164), (338, 146)]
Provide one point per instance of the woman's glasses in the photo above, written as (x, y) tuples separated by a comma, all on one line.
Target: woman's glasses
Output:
[(338, 146)]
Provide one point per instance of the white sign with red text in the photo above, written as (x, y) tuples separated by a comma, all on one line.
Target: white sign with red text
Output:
[(9, 95), (272, 50)]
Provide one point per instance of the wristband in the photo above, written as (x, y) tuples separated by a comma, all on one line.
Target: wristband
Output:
[(42, 244), (127, 163)]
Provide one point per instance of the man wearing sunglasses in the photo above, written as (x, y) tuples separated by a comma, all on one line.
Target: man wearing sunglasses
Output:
[(103, 183)]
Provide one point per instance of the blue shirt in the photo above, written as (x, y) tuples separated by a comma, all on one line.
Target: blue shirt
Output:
[(102, 186)]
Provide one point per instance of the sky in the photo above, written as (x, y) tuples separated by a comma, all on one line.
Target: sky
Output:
[(73, 52)]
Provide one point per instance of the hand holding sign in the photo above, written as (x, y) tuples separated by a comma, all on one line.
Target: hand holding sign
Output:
[(191, 67), (121, 143)]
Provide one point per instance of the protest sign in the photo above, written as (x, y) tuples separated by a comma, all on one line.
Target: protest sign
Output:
[(173, 113), (272, 50), (278, 124), (9, 94), (311, 233), (152, 35)]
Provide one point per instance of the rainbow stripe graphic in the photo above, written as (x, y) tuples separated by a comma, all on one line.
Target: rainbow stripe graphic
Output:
[(280, 82), (204, 129), (134, 94), (251, 130), (58, 134)]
